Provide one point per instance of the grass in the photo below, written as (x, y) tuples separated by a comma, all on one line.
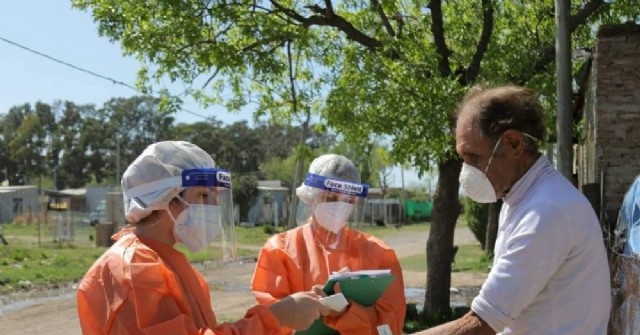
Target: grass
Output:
[(469, 258), (381, 232), (252, 236), (24, 264)]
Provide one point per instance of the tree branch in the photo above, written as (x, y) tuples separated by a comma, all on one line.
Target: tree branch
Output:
[(326, 17), (292, 80), (346, 27), (259, 43), (400, 22), (206, 83), (437, 29), (329, 6), (383, 17), (585, 13), (287, 11), (470, 74), (548, 53)]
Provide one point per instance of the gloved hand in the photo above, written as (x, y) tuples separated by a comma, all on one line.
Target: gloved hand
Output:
[(318, 289), (299, 310)]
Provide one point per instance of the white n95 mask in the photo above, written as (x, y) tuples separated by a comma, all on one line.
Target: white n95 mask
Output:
[(333, 215), (476, 185), (197, 226)]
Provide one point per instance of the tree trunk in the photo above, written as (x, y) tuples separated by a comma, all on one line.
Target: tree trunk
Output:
[(298, 177), (446, 209), (492, 227)]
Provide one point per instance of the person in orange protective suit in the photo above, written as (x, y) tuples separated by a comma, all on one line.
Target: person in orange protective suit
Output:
[(142, 285), (303, 258)]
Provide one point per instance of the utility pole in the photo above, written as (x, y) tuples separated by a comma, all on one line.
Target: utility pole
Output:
[(117, 159), (402, 195), (564, 118)]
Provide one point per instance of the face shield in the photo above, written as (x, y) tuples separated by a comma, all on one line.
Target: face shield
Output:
[(206, 223), (330, 204)]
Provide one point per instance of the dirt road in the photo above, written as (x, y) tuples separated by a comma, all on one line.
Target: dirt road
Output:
[(229, 289)]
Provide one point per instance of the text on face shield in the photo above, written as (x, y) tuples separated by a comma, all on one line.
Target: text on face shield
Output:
[(344, 186), (223, 177)]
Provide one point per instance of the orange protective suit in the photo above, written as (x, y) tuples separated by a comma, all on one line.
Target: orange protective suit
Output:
[(141, 286), (295, 261)]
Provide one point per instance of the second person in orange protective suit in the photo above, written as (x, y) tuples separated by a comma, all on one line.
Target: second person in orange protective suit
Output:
[(303, 258)]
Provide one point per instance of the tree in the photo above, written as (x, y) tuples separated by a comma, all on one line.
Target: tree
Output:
[(69, 154), (133, 124), (396, 68), (11, 121)]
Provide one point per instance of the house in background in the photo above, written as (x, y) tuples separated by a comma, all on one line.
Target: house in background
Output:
[(271, 205), (609, 158), (18, 200)]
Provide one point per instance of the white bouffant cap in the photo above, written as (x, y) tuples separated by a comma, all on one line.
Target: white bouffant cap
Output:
[(331, 166), (154, 178)]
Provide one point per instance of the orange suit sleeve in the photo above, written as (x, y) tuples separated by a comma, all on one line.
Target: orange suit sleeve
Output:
[(270, 282), (389, 309), (258, 321)]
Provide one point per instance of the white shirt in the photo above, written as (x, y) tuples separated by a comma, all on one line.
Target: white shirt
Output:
[(550, 274)]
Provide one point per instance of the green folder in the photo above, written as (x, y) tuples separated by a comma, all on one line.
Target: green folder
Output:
[(363, 289)]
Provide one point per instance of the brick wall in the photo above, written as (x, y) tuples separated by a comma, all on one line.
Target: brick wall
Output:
[(612, 112)]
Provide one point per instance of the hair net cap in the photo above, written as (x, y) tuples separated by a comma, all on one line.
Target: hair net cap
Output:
[(154, 178), (332, 166)]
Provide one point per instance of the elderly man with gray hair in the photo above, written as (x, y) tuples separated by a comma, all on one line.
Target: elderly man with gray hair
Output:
[(550, 273)]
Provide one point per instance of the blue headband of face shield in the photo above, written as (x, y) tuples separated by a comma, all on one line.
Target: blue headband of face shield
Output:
[(206, 177), (337, 185)]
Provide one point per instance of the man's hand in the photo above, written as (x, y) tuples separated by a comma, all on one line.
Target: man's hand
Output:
[(469, 324), (299, 310)]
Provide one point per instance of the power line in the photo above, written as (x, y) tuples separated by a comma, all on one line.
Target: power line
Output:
[(68, 64), (81, 69)]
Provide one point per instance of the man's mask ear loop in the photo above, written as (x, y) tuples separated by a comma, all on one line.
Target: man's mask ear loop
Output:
[(495, 147)]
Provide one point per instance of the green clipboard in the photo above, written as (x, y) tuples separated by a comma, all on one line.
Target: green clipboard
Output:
[(363, 289), (317, 328)]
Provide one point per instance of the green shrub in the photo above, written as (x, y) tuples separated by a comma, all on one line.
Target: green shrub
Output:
[(477, 216)]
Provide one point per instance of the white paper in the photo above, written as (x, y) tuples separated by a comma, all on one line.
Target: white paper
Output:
[(384, 330), (336, 302)]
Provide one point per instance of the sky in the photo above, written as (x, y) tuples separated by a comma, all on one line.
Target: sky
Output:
[(53, 28)]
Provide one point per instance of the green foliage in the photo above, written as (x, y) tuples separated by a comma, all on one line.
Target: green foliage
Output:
[(379, 63), (477, 217), (282, 169), (77, 144)]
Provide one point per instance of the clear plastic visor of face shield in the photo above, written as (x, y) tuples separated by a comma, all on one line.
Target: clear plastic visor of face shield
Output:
[(206, 223), (333, 204)]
